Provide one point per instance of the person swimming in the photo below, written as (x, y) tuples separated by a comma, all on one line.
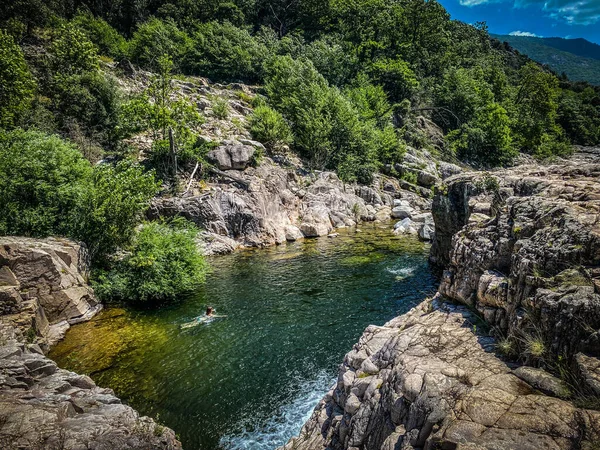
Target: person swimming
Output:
[(210, 311)]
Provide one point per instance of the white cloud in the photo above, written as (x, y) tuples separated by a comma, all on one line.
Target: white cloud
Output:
[(523, 33), (573, 12)]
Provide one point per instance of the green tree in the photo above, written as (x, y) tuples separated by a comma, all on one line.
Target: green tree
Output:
[(72, 52), (487, 140), (537, 104), (156, 38), (221, 51), (48, 188), (108, 40), (16, 83)]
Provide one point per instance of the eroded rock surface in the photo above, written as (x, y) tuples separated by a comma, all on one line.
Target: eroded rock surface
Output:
[(43, 287), (426, 380), (44, 407), (272, 204), (43, 290)]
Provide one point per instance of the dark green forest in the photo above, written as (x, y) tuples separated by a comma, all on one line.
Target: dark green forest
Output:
[(341, 83)]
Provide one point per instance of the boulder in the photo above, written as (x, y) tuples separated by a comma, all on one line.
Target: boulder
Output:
[(405, 226), (447, 170), (293, 233), (312, 229), (426, 231), (402, 212), (232, 155)]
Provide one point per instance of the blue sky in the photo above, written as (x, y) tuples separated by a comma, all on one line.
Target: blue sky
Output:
[(549, 18)]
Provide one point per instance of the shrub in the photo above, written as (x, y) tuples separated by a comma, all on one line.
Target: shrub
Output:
[(487, 140), (42, 179), (48, 188), (220, 108), (16, 83), (163, 262), (72, 53), (269, 127), (222, 51), (111, 206), (92, 100)]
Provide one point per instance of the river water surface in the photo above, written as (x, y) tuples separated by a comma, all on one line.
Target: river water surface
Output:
[(249, 381)]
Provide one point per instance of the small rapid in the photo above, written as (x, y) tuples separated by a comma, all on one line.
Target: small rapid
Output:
[(260, 434), (251, 379)]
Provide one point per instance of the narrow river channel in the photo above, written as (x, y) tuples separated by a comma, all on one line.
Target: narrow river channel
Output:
[(249, 380)]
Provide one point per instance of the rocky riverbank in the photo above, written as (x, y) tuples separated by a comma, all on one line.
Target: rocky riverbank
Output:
[(478, 366), (44, 290)]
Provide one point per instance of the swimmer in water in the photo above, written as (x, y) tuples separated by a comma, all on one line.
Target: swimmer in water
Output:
[(210, 311)]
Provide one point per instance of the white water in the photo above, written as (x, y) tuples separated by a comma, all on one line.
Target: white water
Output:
[(274, 432), (401, 272)]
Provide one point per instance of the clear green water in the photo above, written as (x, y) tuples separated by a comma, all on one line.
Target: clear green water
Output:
[(250, 380)]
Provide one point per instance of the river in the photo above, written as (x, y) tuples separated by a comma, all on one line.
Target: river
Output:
[(249, 380)]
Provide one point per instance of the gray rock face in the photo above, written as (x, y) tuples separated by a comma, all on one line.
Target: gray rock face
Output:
[(43, 290), (45, 286), (282, 204), (530, 266), (232, 155), (44, 407), (425, 380), (521, 251)]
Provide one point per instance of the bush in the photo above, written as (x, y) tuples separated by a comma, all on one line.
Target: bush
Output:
[(486, 141), (92, 100), (42, 180), (72, 53), (16, 83), (112, 205), (220, 108), (163, 262), (221, 51), (270, 128), (48, 188)]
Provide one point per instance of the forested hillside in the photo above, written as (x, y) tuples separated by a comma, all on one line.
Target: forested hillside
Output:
[(577, 58), (341, 84)]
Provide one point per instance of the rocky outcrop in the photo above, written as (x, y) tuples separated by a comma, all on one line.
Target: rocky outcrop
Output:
[(43, 290), (428, 380), (44, 407), (275, 202), (521, 252), (522, 247), (43, 287)]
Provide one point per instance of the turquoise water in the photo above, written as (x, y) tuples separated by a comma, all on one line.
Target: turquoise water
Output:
[(249, 381)]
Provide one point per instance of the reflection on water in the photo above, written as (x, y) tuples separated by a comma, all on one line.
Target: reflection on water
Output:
[(251, 379)]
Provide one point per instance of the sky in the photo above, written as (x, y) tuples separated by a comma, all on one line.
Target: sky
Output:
[(545, 18)]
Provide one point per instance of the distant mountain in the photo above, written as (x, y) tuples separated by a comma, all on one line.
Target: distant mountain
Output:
[(578, 58)]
